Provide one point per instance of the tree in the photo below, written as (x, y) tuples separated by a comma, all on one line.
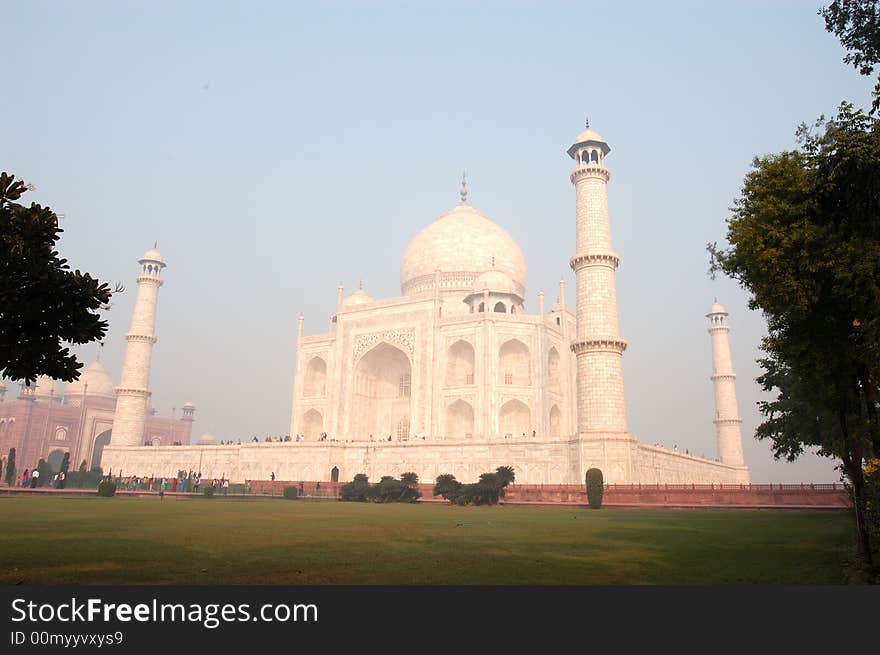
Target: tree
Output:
[(44, 304), (10, 467), (857, 24), (804, 241), (45, 473), (595, 488), (447, 486), (506, 474), (357, 490), (488, 490)]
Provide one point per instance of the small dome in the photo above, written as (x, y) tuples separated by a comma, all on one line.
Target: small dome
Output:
[(495, 281), (717, 308), (99, 381), (189, 406), (152, 255), (46, 387), (463, 242), (359, 297), (589, 135), (207, 439)]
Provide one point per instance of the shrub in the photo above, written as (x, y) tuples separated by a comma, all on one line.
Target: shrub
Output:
[(355, 491), (10, 467), (447, 486), (487, 491), (291, 493), (595, 488), (107, 488), (208, 491)]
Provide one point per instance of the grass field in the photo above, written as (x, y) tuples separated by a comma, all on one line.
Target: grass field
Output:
[(92, 540)]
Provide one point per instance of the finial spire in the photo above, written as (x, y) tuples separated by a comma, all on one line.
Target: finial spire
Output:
[(588, 123), (156, 243), (463, 191), (361, 285)]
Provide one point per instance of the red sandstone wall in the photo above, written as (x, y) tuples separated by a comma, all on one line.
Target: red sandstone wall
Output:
[(772, 495)]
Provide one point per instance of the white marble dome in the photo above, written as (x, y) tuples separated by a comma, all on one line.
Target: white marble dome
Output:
[(589, 135), (207, 439), (99, 381), (495, 281), (717, 308), (359, 297), (152, 255), (462, 241)]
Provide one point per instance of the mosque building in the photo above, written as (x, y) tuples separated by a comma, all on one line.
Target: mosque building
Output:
[(50, 418), (454, 376)]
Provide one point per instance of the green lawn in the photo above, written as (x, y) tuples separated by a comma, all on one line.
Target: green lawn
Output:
[(55, 540)]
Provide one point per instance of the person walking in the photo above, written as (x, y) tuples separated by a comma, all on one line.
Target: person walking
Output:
[(26, 478), (35, 478), (61, 478)]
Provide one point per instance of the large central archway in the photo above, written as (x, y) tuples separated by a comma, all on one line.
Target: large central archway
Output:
[(381, 399), (101, 440)]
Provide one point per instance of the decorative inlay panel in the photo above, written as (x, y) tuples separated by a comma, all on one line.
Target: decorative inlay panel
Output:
[(404, 338)]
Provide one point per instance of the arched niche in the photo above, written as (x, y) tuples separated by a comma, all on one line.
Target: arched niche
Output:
[(460, 364), (515, 419), (316, 377), (459, 420), (514, 364), (312, 425), (381, 404)]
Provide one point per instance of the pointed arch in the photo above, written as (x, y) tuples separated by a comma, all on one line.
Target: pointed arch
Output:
[(460, 364), (515, 419), (553, 369), (312, 425), (555, 421), (514, 363), (98, 448), (316, 377), (382, 386), (459, 420)]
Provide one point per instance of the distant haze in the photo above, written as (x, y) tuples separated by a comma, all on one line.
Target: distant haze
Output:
[(275, 151)]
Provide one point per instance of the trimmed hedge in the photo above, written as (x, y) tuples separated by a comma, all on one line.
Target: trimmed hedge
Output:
[(208, 491), (595, 488), (291, 493), (107, 488)]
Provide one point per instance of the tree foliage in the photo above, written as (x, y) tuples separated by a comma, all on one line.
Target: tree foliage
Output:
[(488, 490), (857, 24), (595, 488), (804, 241), (387, 490), (43, 304)]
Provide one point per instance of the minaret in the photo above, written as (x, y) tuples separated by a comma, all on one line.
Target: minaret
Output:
[(597, 346), (727, 420), (133, 393)]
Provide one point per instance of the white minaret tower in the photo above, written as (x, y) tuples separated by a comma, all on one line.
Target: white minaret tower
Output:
[(727, 420), (598, 347), (133, 393)]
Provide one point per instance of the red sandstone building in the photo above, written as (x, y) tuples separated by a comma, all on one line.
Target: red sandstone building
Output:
[(49, 418)]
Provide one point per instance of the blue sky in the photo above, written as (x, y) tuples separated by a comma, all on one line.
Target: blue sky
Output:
[(276, 149)]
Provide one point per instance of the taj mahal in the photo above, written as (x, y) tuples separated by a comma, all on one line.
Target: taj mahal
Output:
[(453, 375)]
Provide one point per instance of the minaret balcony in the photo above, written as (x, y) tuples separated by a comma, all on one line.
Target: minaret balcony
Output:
[(585, 260), (590, 170), (599, 345)]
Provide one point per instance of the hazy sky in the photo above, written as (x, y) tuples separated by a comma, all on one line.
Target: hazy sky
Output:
[(276, 150)]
